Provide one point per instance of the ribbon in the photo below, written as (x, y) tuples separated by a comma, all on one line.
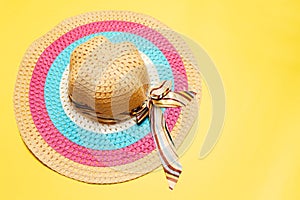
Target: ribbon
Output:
[(159, 97)]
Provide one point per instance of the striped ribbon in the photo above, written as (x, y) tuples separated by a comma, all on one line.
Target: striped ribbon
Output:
[(161, 96)]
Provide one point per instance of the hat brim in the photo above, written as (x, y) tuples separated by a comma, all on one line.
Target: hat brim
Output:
[(55, 150)]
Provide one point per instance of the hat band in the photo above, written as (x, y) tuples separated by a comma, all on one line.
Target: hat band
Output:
[(93, 114)]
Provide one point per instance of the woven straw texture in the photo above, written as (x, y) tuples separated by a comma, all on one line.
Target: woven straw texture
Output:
[(110, 79), (78, 147)]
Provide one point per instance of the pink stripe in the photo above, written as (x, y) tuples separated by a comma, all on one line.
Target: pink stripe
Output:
[(78, 153)]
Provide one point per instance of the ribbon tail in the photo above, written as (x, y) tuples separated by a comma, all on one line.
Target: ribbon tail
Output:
[(165, 146)]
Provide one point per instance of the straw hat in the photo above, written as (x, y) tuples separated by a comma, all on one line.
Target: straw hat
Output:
[(89, 94)]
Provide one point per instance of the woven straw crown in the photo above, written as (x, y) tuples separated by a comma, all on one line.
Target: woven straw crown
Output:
[(107, 81)]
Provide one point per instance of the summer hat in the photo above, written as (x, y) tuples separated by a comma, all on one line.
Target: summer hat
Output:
[(106, 97)]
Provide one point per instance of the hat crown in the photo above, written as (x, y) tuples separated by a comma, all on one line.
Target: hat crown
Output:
[(106, 80)]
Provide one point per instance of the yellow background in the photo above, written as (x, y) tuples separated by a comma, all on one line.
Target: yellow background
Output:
[(255, 45)]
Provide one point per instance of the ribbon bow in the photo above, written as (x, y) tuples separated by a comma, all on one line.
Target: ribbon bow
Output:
[(161, 96)]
